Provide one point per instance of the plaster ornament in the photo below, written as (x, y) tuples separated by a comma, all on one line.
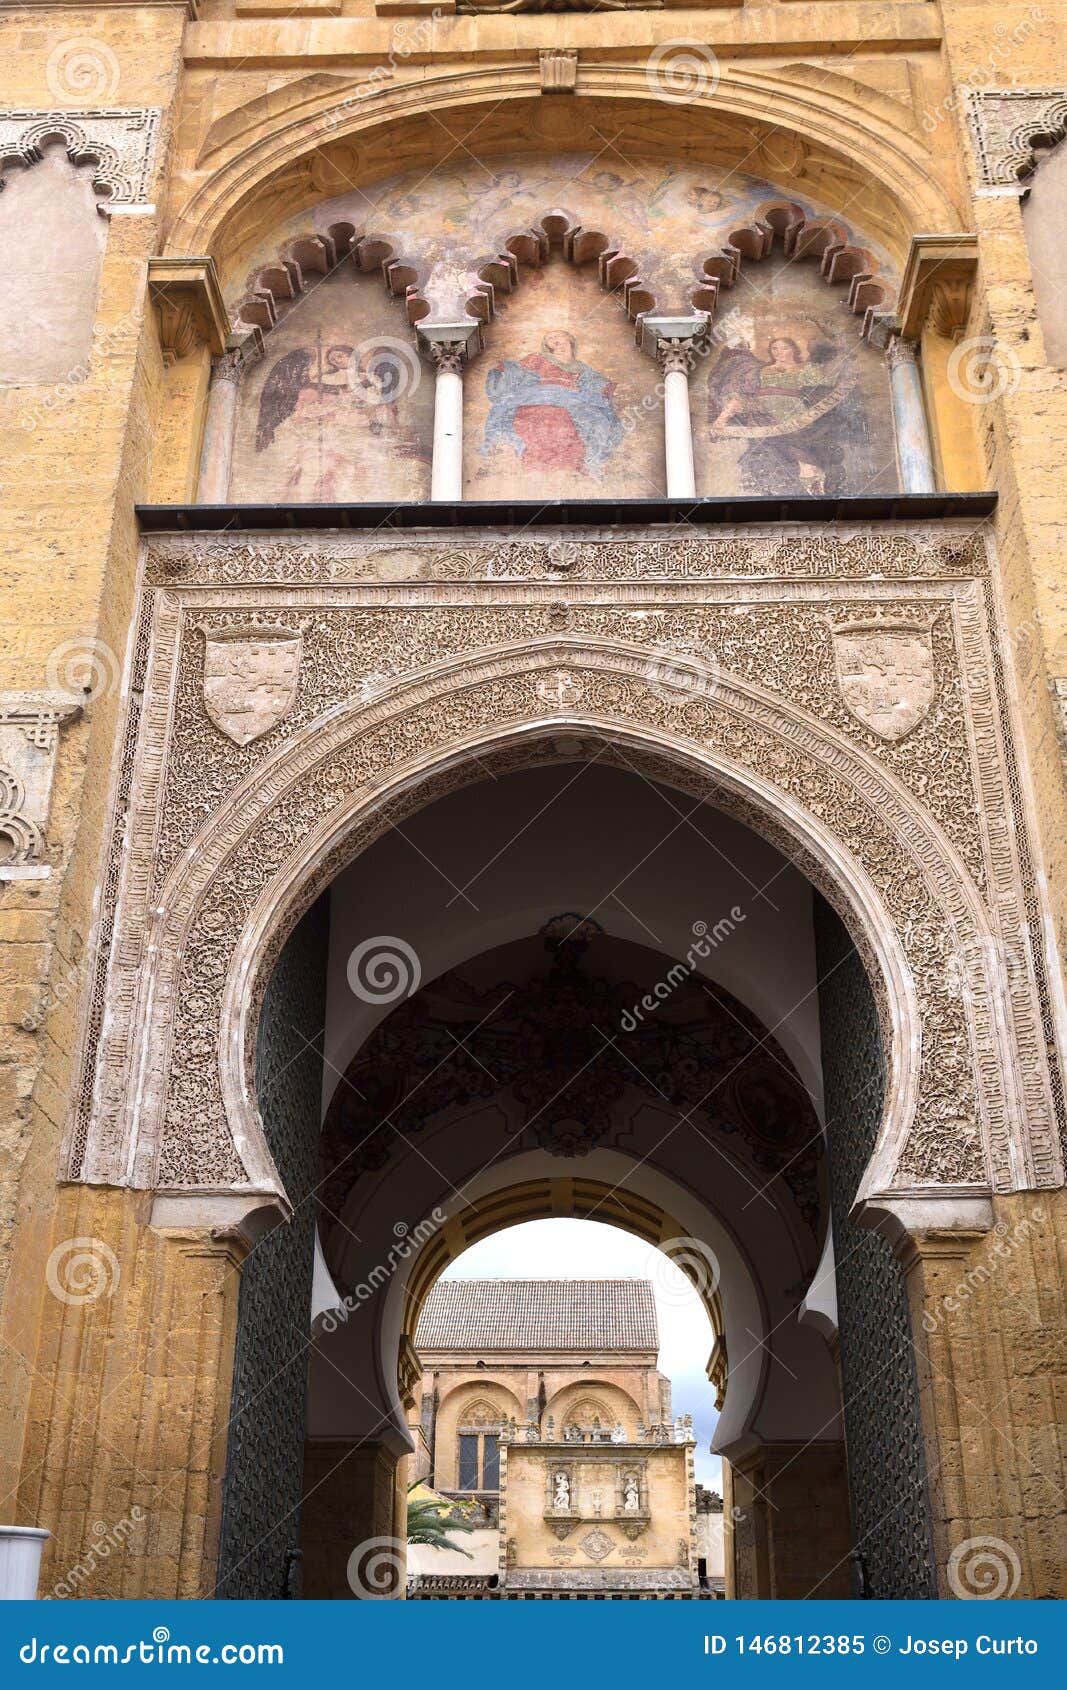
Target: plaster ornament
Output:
[(29, 740), (950, 854), (251, 675), (886, 673), (596, 1545)]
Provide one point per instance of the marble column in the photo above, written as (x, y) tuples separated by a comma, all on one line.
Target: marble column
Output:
[(216, 457), (446, 476), (914, 454), (675, 340), (676, 359)]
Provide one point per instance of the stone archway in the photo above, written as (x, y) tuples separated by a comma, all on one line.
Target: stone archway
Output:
[(862, 840), (220, 843)]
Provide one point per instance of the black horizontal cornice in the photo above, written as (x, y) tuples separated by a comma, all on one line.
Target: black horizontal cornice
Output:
[(566, 513)]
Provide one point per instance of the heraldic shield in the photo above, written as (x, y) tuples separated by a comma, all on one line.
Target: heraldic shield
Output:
[(886, 673), (251, 673)]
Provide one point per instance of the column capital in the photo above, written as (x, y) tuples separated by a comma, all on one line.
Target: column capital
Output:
[(230, 363), (450, 345), (900, 351), (673, 340)]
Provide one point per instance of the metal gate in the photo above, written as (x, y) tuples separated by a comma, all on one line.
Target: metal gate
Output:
[(259, 1549), (892, 1536)]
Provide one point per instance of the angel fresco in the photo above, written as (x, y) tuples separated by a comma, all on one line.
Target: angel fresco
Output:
[(794, 408), (330, 414), (556, 412)]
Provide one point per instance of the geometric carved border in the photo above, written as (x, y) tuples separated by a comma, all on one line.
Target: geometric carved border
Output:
[(188, 959), (1007, 125), (120, 146)]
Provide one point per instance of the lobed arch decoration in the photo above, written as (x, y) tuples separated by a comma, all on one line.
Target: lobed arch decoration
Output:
[(117, 167), (878, 856), (274, 288), (481, 1411), (284, 156), (777, 222)]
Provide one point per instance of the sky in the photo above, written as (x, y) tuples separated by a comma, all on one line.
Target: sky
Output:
[(567, 1249)]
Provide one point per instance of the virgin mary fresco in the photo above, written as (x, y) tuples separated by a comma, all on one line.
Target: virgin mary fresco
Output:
[(794, 408), (556, 412)]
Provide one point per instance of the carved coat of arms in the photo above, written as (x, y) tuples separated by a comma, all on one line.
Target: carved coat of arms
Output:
[(251, 673), (886, 673)]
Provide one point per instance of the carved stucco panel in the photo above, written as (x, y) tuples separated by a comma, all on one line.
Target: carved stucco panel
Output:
[(215, 827)]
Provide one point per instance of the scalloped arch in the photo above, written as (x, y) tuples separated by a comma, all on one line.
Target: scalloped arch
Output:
[(275, 287)]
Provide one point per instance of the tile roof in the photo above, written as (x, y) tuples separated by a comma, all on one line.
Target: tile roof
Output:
[(539, 1314)]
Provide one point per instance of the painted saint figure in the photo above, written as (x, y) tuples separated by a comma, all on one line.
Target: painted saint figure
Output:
[(794, 409), (332, 416), (553, 410)]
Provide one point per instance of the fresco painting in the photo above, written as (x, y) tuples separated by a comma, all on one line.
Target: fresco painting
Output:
[(666, 214), (789, 401), (793, 402), (340, 407), (562, 403)]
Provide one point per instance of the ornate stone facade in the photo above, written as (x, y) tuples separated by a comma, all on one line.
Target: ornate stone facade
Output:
[(925, 826), (877, 690)]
